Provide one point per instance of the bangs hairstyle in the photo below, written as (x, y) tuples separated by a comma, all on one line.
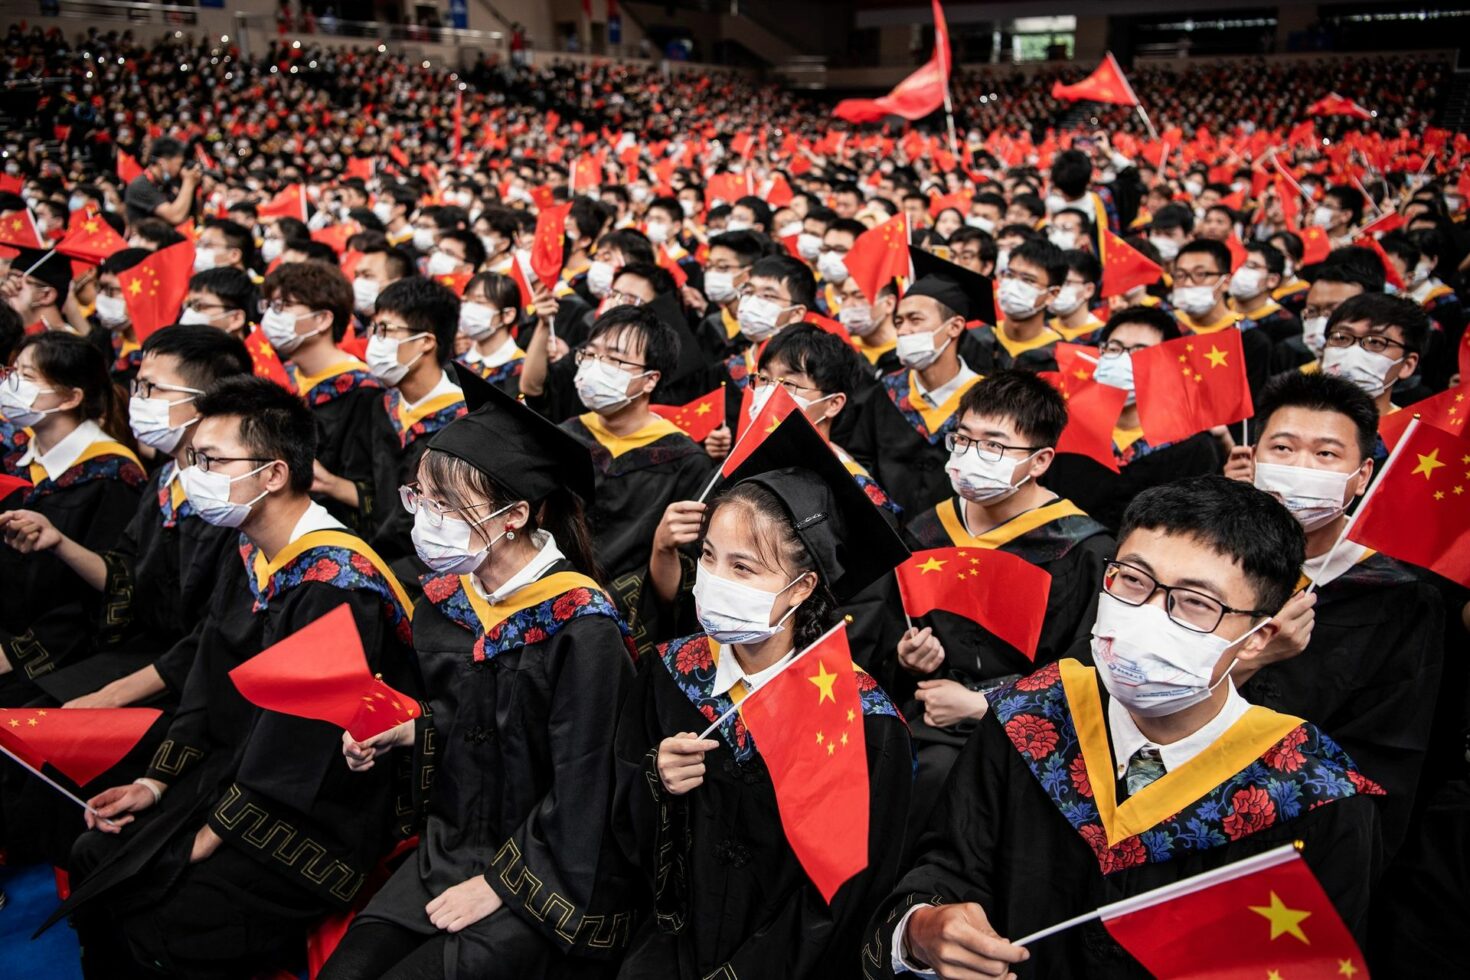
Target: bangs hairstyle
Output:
[(828, 360), (773, 536), (274, 424), (427, 307), (66, 360), (1036, 408), (470, 489), (205, 355), (501, 291), (316, 286), (658, 342), (1320, 393), (1234, 520), (794, 275), (1382, 311)]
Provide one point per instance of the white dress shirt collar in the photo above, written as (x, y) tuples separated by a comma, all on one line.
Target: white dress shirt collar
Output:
[(942, 393), (1127, 739), (547, 554), (728, 671), (60, 457)]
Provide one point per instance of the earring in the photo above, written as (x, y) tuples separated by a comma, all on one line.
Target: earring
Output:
[(510, 534)]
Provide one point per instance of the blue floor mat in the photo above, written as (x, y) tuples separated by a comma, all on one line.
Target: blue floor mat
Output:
[(31, 894)]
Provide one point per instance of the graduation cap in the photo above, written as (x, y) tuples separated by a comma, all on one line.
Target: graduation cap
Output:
[(518, 446), (50, 267), (847, 536), (967, 293)]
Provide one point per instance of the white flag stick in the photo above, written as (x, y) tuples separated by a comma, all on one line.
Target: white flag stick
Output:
[(787, 666)]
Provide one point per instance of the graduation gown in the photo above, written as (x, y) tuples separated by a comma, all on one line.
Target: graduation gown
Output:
[(514, 777), (272, 786), (1031, 828), (1105, 495), (1369, 676), (399, 439), (986, 348), (637, 477), (342, 401), (45, 607), (731, 899), (506, 377)]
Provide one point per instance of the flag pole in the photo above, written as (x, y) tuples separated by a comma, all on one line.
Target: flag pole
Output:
[(785, 667), (720, 470), (56, 786), (954, 143), (1147, 122)]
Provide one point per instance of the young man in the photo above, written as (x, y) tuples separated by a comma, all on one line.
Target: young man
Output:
[(870, 324), (224, 245), (1031, 280), (1172, 226), (379, 267), (731, 257), (1071, 310), (165, 188), (1088, 784), (1373, 635), (1201, 288), (643, 462), (777, 293), (189, 888), (1375, 341), (831, 269), (1252, 287), (224, 299), (1292, 293), (1069, 229), (117, 339), (1345, 273), (1004, 443), (1411, 257), (1340, 211), (36, 288)]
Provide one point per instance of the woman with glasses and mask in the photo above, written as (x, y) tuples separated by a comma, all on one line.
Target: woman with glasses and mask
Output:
[(789, 537), (525, 662), (84, 480)]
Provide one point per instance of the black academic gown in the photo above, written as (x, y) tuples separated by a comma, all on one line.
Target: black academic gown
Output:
[(400, 436), (1105, 495), (343, 402), (985, 351), (1019, 829), (514, 778), (1368, 677), (731, 899)]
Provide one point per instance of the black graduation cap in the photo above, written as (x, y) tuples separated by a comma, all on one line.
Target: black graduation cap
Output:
[(517, 445), (844, 532), (49, 266), (967, 293)]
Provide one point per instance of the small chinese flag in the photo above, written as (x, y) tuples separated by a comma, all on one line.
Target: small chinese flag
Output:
[(320, 672), (360, 167), (90, 239), (1446, 411), (1265, 916), (264, 361), (1386, 222), (1237, 252), (807, 722), (335, 236), (522, 281), (1106, 84), (155, 288), (546, 249), (673, 268), (1124, 267), (880, 255), (724, 187), (82, 743), (1004, 593), (697, 418), (13, 484), (1315, 245), (779, 405), (1333, 104), (289, 202), (127, 167), (1188, 385), (456, 281), (1092, 408), (779, 193), (1419, 510), (19, 228)]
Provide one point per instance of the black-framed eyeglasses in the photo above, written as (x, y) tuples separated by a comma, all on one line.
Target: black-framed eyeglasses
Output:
[(1195, 611), (1196, 277), (1374, 343), (206, 462), (760, 380), (585, 354), (381, 329), (1112, 348), (145, 389), (987, 449)]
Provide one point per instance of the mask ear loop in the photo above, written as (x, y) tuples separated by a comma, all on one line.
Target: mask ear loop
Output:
[(1236, 642), (780, 623)]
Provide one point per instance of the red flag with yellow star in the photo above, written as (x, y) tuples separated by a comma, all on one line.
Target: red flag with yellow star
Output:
[(155, 288), (1124, 267), (546, 248), (697, 418), (1188, 385), (90, 239), (1446, 410), (81, 743), (1092, 408), (1264, 918), (779, 405), (1105, 84), (1002, 592), (807, 722), (1418, 511), (19, 228), (264, 360), (321, 672), (456, 281), (878, 256)]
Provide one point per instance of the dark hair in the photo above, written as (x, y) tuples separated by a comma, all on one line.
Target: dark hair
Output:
[(1037, 408), (1400, 245), (659, 278), (12, 332), (474, 249), (820, 213), (1350, 199), (315, 252), (1023, 232), (1289, 243), (590, 217), (1081, 215), (1144, 316), (747, 245), (1233, 519), (794, 275), (274, 424), (427, 307), (70, 361), (1320, 392), (236, 236), (156, 231), (1383, 311), (1352, 264), (1172, 216), (1271, 255), (1085, 264), (670, 206), (634, 245), (502, 291), (1032, 203), (827, 359), (320, 287), (851, 226), (1045, 256), (400, 266), (777, 545), (205, 355), (660, 342), (1218, 251), (1071, 171), (758, 208), (165, 148), (233, 286), (502, 221)]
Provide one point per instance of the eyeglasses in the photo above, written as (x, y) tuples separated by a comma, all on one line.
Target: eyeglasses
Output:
[(380, 329), (206, 463), (987, 449), (279, 306), (145, 389), (201, 307), (11, 378), (1029, 280), (585, 354), (411, 496), (1193, 610), (623, 299), (1374, 343), (761, 380), (1196, 277), (1112, 348)]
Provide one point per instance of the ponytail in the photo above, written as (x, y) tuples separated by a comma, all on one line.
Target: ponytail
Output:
[(562, 514)]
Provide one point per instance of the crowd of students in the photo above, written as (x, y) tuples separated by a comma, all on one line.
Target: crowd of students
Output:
[(377, 402)]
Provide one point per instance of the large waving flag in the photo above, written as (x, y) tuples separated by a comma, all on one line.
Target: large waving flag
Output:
[(90, 239), (1106, 84), (154, 289), (546, 248), (1002, 592), (1191, 384), (914, 97), (1092, 408), (1333, 104), (1124, 267)]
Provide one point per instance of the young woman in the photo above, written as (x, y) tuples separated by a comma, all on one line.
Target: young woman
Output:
[(525, 662), (86, 483), (490, 309), (731, 898)]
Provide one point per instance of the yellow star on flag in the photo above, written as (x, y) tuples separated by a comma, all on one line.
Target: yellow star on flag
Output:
[(135, 287), (90, 226), (1273, 975), (824, 681), (831, 748), (1439, 495), (1283, 920), (1427, 464), (1345, 968), (1216, 356), (703, 409), (932, 565)]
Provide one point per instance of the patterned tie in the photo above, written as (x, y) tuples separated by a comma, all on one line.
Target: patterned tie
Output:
[(1144, 766)]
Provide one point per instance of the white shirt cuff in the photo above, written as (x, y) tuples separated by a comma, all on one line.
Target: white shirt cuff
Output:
[(900, 964)]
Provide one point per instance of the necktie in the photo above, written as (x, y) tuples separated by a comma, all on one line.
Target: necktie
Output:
[(1144, 766)]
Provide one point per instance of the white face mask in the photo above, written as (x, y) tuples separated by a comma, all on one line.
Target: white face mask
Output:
[(984, 481), (1193, 188), (731, 612), (424, 239), (809, 246), (112, 311), (209, 493), (984, 224), (384, 211), (189, 317), (604, 387), (365, 295), (832, 268), (1314, 497), (1314, 334), (1367, 370), (791, 229), (1116, 371), (600, 278), (719, 286), (1323, 216), (917, 350), (441, 264), (1194, 300), (1063, 238), (148, 418), (476, 320), (204, 260), (737, 224), (271, 249), (280, 329), (758, 317), (1020, 299), (1421, 274), (18, 404), (688, 207), (1069, 297), (857, 318), (1151, 664), (1167, 248), (1246, 282), (658, 232), (382, 358), (446, 549)]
